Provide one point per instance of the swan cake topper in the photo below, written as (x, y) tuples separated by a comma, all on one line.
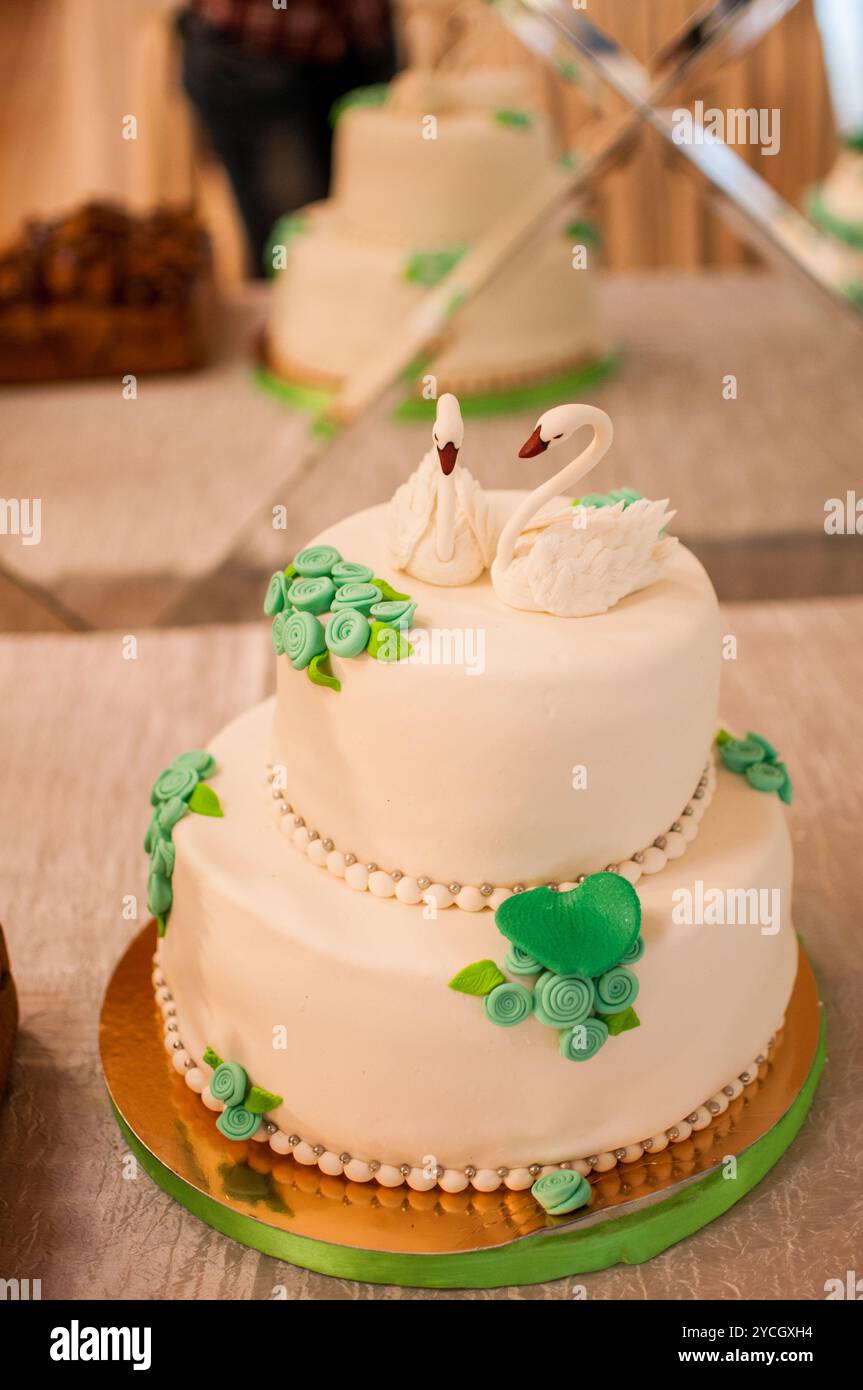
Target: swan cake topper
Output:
[(554, 555), (441, 528), (571, 561)]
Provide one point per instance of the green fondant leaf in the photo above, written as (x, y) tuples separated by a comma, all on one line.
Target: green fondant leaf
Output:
[(479, 979), (290, 570), (429, 267), (586, 232), (318, 672), (510, 117), (205, 802), (161, 926), (212, 1058), (388, 591), (583, 932), (723, 737), (622, 1022), (387, 643), (259, 1101)]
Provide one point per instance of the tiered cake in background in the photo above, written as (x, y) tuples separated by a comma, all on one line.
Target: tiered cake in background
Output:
[(423, 169), (424, 913)]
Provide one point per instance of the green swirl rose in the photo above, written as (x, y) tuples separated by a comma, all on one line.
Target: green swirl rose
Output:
[(360, 596), (238, 1123), (738, 753), (508, 1004), (348, 572), (203, 762), (562, 1000), (316, 560), (518, 962), (766, 777), (162, 857), (348, 632), (278, 633), (562, 1191), (616, 990), (160, 895), (276, 596), (174, 781), (170, 812), (304, 638), (312, 593), (635, 952), (229, 1083), (580, 1043), (396, 612)]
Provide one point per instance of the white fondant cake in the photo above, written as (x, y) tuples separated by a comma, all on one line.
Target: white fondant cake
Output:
[(350, 929), (406, 200)]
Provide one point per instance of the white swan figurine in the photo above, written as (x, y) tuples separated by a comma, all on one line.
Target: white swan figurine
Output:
[(574, 561), (440, 525)]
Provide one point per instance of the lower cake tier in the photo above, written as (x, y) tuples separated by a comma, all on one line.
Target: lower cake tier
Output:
[(338, 1002), (339, 297)]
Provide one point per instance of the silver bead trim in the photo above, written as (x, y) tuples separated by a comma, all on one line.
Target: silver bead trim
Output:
[(487, 890)]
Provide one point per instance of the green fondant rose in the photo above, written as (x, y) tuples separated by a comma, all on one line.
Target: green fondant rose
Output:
[(304, 638), (583, 1041), (160, 895), (362, 597), (766, 777), (581, 932), (162, 857), (276, 597), (174, 782), (170, 812), (508, 1004), (238, 1123), (229, 1083), (738, 753), (518, 962), (316, 560), (278, 634), (562, 1191), (203, 762), (562, 1000), (396, 612), (348, 632), (634, 953), (616, 990), (349, 572), (312, 593), (153, 832)]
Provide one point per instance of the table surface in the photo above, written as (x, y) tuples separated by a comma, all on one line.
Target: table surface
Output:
[(84, 733), (143, 497)]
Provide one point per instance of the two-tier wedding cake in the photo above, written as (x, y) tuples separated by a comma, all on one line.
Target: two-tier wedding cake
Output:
[(434, 914), (423, 169)]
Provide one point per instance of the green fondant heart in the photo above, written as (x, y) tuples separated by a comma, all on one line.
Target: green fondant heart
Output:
[(583, 932)]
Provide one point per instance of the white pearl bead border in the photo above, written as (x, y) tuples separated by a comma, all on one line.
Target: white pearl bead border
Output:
[(415, 892), (335, 1164)]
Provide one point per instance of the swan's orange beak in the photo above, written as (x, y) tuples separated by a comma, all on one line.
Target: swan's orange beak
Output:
[(533, 446), (447, 455)]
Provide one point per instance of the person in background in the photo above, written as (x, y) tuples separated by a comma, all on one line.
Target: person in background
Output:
[(263, 78)]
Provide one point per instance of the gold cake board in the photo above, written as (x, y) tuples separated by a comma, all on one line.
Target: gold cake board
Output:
[(435, 1239)]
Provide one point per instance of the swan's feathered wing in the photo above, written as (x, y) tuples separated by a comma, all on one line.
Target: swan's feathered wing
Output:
[(412, 512), (573, 570)]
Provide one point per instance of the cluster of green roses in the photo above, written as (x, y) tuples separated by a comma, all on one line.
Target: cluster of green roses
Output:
[(245, 1105), (579, 947), (365, 613), (758, 761), (176, 791)]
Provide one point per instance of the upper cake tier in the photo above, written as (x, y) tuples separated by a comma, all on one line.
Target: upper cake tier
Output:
[(400, 179), (511, 747)]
